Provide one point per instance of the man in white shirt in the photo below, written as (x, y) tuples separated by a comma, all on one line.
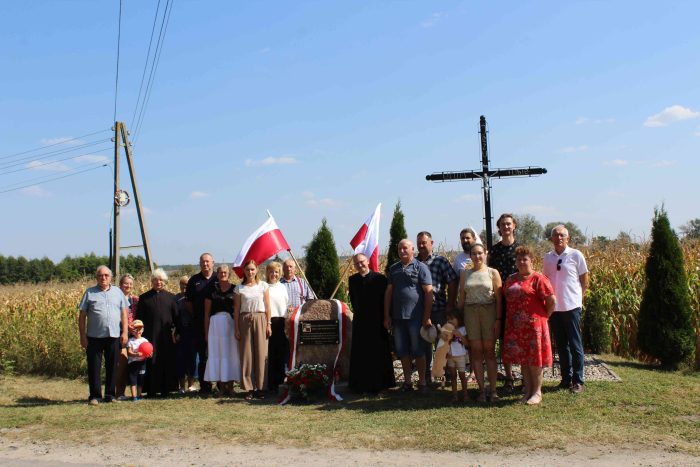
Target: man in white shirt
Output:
[(467, 238), (297, 287), (567, 271)]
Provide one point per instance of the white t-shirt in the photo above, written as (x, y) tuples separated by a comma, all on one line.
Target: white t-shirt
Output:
[(456, 347), (252, 300), (279, 300), (133, 345), (461, 262), (566, 282)]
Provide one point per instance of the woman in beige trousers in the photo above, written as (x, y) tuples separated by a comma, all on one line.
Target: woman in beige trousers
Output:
[(251, 308)]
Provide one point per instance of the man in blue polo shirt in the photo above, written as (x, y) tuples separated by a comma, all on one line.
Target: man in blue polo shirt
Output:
[(408, 301), (103, 326)]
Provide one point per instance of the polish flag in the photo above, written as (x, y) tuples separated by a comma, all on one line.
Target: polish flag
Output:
[(265, 242), (366, 240)]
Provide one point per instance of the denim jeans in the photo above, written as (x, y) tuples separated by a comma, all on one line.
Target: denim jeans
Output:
[(407, 339), (567, 333), (110, 347)]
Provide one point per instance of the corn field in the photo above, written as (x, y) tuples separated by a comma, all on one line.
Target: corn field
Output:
[(39, 331)]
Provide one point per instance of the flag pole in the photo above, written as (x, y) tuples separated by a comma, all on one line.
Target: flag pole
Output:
[(302, 272), (342, 276)]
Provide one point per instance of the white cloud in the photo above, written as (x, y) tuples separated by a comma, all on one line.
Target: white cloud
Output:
[(312, 201), (50, 166), (198, 195), (669, 115), (572, 149), (35, 191), (466, 198), (596, 121), (67, 140), (265, 50), (663, 163), (616, 162), (283, 160), (432, 20), (91, 158)]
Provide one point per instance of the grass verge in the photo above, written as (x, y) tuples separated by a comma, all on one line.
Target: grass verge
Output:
[(649, 408)]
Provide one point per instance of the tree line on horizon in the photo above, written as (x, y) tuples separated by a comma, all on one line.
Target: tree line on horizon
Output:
[(22, 270)]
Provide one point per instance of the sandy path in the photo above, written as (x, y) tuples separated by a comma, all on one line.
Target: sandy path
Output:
[(39, 454)]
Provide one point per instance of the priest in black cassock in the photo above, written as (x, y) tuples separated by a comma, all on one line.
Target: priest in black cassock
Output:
[(157, 309), (371, 368)]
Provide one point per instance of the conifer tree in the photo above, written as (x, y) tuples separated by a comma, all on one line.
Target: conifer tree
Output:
[(664, 330), (322, 269), (397, 232)]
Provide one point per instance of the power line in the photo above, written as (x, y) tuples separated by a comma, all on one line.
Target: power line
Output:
[(154, 66), (116, 80), (36, 166), (20, 161), (53, 175), (52, 144), (145, 65), (52, 179)]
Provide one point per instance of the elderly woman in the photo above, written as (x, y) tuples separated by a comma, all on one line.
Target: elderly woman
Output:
[(223, 362), (530, 302), (251, 312), (278, 345), (126, 284), (480, 298), (157, 309)]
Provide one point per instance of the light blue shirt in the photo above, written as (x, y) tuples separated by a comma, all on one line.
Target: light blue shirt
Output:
[(104, 311)]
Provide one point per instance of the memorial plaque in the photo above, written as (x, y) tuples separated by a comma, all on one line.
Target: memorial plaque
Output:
[(322, 332), (314, 337)]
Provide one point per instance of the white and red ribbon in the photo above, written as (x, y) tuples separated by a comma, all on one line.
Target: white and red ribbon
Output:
[(294, 337), (341, 342)]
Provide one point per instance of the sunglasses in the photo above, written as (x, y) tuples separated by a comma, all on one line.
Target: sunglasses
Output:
[(559, 264)]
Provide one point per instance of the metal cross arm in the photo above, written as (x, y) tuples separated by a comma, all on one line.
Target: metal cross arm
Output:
[(485, 175), (495, 173)]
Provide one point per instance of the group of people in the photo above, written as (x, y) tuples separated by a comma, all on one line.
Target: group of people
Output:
[(491, 296), (213, 331), (217, 332)]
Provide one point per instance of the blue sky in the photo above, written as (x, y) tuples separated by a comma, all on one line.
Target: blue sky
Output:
[(324, 109)]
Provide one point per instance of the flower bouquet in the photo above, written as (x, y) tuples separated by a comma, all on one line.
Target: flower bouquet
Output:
[(308, 382)]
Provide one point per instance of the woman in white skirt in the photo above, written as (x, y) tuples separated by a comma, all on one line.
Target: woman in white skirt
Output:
[(223, 364)]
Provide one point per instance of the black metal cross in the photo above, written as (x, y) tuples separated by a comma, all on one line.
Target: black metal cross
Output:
[(485, 175)]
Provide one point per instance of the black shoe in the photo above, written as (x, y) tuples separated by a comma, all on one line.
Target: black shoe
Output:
[(564, 385), (576, 388)]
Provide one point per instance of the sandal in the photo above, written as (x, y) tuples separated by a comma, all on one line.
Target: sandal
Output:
[(406, 387), (482, 398), (494, 397), (455, 398), (249, 396)]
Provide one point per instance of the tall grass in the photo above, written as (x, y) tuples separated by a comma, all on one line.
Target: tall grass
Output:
[(39, 331)]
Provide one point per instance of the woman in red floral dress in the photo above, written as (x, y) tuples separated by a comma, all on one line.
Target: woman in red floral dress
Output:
[(529, 303)]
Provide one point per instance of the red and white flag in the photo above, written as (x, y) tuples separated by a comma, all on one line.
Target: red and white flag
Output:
[(264, 243), (366, 240)]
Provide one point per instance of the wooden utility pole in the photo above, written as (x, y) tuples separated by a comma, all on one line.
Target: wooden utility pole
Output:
[(121, 198), (485, 175)]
